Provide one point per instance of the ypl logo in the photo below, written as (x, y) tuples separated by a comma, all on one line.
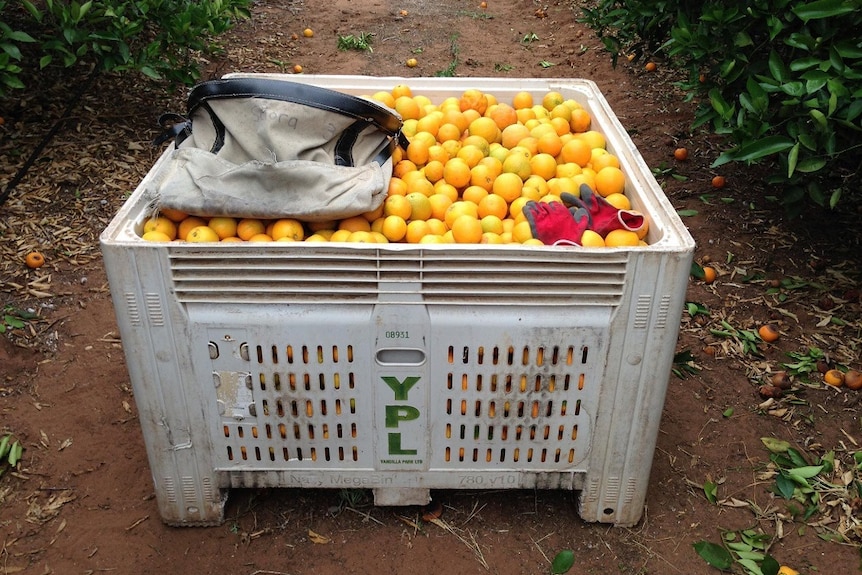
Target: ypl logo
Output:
[(398, 413)]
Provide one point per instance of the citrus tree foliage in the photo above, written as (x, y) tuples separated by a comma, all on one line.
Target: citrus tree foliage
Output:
[(781, 79), (158, 38)]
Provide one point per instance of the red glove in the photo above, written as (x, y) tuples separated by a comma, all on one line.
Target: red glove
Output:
[(603, 216), (554, 224)]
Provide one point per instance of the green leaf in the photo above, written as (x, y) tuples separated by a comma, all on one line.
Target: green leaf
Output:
[(806, 472), (777, 67), (775, 445), (727, 412), (770, 566), (750, 566), (710, 490), (823, 9), (809, 165), (563, 562), (715, 555), (687, 213), (785, 486), (755, 150), (792, 159)]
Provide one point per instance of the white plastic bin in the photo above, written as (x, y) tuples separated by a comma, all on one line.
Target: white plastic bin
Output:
[(404, 368)]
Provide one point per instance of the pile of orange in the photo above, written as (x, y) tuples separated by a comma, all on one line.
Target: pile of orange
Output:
[(471, 164)]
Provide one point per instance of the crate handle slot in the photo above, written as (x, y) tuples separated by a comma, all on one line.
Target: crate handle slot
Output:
[(400, 356)]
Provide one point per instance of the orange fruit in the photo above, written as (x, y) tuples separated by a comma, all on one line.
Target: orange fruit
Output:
[(543, 165), (549, 143), (522, 100), (287, 228), (447, 189), (680, 154), (397, 206), (718, 182), (650, 67), (768, 333), (834, 378), (561, 111), (249, 227), (491, 224), (577, 151), (412, 62), (433, 171), (440, 202), (35, 260), (384, 98), (473, 100), (354, 224), (161, 224), (202, 234), (420, 206), (397, 187), (175, 216), (492, 205), (580, 121), (260, 238), (591, 239), (531, 144), (480, 175), (448, 132), (593, 139), (417, 182), (503, 115), (437, 153), (601, 158), (517, 206), (394, 228), (551, 100), (709, 274), (460, 208), (401, 90), (152, 236), (403, 168), (474, 194), (486, 128), (522, 232), (467, 229), (408, 108), (457, 118), (513, 134), (853, 379), (457, 173), (610, 180), (187, 224), (519, 164), (437, 226), (619, 201), (621, 238), (471, 154), (416, 230), (561, 126), (508, 186), (225, 227), (567, 170), (417, 152)]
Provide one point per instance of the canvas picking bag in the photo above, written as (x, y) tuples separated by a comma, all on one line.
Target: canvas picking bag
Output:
[(270, 148)]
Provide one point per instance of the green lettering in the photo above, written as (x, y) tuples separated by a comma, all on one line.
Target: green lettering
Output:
[(398, 413), (400, 388), (395, 446)]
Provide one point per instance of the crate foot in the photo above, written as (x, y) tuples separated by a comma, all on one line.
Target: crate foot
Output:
[(396, 497)]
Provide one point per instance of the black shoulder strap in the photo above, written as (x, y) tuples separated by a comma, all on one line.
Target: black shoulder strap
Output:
[(308, 95)]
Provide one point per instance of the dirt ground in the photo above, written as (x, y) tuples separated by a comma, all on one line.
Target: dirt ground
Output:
[(82, 499)]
